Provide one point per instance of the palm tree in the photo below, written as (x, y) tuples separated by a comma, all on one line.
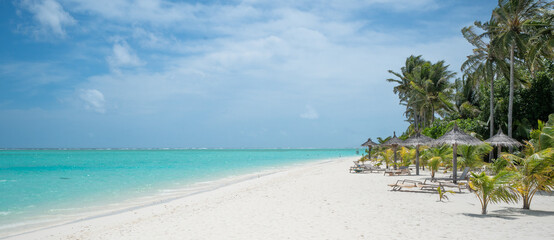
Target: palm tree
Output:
[(535, 171), (388, 156), (403, 89), (472, 156), (532, 173), (424, 89), (467, 96), (436, 157), (541, 43), (542, 137), (492, 189), (431, 84), (485, 60), (514, 19)]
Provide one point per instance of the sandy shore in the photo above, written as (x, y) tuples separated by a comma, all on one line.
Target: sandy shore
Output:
[(316, 201)]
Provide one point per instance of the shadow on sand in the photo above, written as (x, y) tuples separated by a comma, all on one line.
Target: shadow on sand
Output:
[(510, 213), (521, 211)]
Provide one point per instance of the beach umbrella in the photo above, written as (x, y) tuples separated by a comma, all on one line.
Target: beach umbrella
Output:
[(369, 144), (456, 137), (394, 142), (415, 141), (502, 140)]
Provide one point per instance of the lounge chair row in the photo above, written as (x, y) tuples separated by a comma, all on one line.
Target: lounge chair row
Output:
[(399, 171), (426, 185), (363, 168)]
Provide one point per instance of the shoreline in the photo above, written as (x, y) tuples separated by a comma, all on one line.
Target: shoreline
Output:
[(155, 197), (320, 200)]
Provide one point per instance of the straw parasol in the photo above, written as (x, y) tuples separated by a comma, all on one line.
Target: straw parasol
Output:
[(394, 142), (502, 140), (456, 137), (369, 144), (417, 140)]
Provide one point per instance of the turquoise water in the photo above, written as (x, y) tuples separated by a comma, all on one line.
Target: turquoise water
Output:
[(38, 182)]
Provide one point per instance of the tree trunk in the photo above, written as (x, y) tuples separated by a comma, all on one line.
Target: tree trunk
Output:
[(394, 149), (455, 163), (491, 114), (417, 160), (416, 122), (432, 114), (526, 203), (484, 209), (511, 97)]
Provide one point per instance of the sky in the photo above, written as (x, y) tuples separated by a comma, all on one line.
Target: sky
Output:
[(215, 74)]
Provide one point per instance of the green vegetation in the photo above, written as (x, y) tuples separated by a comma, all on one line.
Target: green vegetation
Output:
[(509, 76), (535, 170), (442, 194), (532, 173), (507, 83), (472, 156), (436, 157), (492, 189)]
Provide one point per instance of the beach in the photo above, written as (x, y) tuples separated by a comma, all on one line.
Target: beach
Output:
[(319, 200)]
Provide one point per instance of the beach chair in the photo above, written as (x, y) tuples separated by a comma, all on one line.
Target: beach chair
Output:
[(406, 183), (397, 172), (440, 184), (356, 167), (463, 177), (362, 168)]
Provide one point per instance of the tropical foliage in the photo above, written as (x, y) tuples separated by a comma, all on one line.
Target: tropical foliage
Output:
[(407, 155), (506, 82), (492, 189), (532, 173), (424, 88), (535, 170), (472, 156), (437, 157)]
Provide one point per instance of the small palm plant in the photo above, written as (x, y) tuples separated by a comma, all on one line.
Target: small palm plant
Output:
[(442, 193), (407, 155), (435, 157), (532, 173), (434, 164), (387, 155), (535, 171), (492, 188), (472, 156)]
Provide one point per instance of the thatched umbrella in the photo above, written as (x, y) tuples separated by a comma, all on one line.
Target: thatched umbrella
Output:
[(369, 144), (455, 137), (394, 142), (417, 140), (502, 140)]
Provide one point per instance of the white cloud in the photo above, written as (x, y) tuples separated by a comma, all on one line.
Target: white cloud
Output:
[(93, 100), (310, 113), (50, 15), (123, 56)]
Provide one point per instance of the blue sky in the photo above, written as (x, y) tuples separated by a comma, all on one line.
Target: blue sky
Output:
[(215, 74)]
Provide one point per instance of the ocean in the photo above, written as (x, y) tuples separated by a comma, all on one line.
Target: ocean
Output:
[(45, 185)]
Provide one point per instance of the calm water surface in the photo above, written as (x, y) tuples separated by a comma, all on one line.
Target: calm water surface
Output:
[(52, 182)]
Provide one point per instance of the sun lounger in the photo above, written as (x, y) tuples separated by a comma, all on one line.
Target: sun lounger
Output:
[(397, 172), (462, 177), (356, 166), (440, 184), (362, 168), (406, 183)]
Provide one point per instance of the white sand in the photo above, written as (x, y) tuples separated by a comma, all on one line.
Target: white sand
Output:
[(318, 201)]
